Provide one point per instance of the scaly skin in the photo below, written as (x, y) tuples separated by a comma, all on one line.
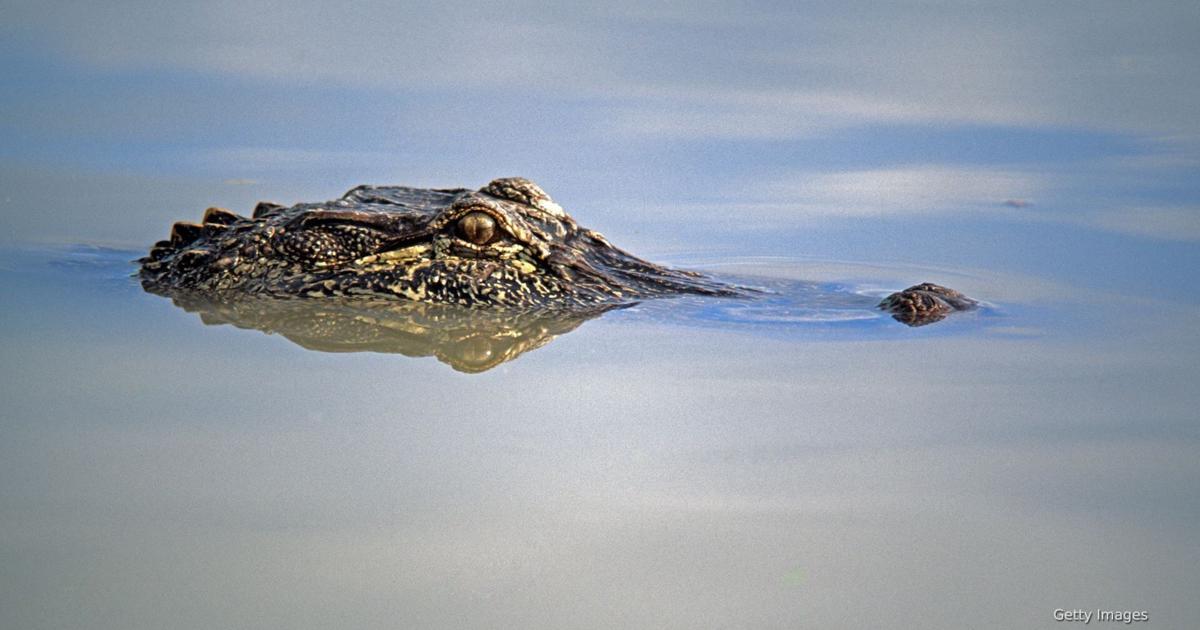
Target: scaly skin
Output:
[(925, 303), (507, 245)]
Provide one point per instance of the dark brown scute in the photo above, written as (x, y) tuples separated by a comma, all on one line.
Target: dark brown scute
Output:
[(220, 216), (190, 258), (265, 207), (183, 233)]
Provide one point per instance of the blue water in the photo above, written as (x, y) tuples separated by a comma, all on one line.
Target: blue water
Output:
[(796, 461), (678, 463)]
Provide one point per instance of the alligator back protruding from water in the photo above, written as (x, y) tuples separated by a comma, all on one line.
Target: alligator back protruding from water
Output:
[(506, 245), (925, 303)]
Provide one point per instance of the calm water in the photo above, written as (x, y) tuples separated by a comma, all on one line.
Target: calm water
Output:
[(801, 462), (797, 462)]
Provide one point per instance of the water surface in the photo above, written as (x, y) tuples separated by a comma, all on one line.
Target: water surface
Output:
[(676, 464), (801, 461)]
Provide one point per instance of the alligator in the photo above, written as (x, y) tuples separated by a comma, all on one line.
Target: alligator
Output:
[(507, 245), (925, 303)]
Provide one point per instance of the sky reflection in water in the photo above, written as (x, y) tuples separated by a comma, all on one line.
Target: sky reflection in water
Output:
[(676, 464), (655, 466)]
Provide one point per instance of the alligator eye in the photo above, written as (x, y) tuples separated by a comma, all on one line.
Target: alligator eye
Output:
[(477, 227)]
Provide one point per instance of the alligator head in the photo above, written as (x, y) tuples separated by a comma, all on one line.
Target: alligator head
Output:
[(505, 245)]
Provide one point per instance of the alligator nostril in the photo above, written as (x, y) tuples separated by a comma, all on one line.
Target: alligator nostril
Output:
[(477, 227)]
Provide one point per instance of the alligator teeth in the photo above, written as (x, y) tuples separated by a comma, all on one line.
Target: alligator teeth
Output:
[(220, 216)]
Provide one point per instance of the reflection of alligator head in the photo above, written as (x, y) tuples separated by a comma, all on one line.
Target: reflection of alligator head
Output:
[(469, 340)]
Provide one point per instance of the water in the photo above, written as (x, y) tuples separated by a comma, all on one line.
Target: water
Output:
[(798, 462)]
